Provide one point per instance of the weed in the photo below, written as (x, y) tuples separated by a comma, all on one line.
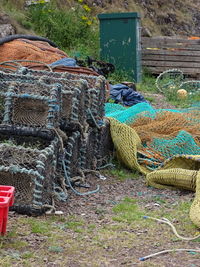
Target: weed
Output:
[(120, 172), (56, 249), (27, 255), (127, 211), (119, 76), (150, 99), (39, 228), (63, 26), (148, 83)]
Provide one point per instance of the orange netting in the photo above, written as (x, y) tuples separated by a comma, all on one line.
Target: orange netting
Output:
[(167, 124), (21, 49)]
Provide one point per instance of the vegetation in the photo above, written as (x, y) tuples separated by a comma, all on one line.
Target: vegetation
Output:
[(66, 239), (73, 28)]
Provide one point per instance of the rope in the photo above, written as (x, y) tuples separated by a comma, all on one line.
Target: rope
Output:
[(106, 166), (29, 37), (26, 61), (72, 188), (167, 251), (93, 118), (166, 221)]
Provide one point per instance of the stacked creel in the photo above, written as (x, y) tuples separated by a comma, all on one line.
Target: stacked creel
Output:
[(61, 113), (28, 146)]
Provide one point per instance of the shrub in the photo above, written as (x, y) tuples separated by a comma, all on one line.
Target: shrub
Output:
[(73, 28)]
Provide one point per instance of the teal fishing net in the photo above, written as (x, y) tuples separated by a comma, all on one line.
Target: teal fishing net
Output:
[(164, 133)]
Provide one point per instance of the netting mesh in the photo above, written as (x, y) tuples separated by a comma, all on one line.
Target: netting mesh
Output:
[(163, 144), (30, 104), (163, 133), (30, 50)]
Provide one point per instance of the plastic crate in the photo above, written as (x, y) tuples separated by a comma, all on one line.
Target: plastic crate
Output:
[(7, 191), (6, 200)]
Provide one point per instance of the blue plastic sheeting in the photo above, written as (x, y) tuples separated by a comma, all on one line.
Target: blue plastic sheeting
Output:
[(125, 95), (66, 61)]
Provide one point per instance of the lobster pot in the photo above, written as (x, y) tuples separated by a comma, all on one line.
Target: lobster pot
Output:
[(28, 104), (29, 164), (75, 96), (97, 91), (99, 146), (95, 83), (90, 148), (75, 100), (105, 145), (73, 154)]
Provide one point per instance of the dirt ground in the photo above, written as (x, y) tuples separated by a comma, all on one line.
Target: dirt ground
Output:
[(105, 229), (97, 238)]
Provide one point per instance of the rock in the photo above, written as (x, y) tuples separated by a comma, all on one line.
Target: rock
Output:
[(145, 32), (4, 19), (6, 29)]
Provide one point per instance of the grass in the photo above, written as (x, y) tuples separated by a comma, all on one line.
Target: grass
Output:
[(121, 230), (148, 83), (120, 172), (127, 211)]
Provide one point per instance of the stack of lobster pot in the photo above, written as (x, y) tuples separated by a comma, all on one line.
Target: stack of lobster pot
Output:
[(29, 148), (51, 126)]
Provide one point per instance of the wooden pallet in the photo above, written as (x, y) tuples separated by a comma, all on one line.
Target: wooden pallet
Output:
[(163, 53)]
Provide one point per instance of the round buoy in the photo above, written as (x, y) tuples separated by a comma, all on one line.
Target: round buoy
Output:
[(182, 94)]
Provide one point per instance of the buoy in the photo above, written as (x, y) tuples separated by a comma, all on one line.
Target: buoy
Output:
[(182, 94)]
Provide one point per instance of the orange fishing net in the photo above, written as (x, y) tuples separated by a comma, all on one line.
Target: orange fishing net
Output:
[(167, 124), (21, 49)]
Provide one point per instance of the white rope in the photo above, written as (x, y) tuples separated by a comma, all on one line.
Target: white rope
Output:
[(167, 251), (166, 221)]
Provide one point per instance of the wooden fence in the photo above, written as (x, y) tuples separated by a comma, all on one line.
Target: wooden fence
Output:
[(163, 53)]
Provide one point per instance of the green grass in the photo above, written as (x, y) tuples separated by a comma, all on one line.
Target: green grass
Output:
[(148, 83), (120, 172), (119, 76), (127, 211)]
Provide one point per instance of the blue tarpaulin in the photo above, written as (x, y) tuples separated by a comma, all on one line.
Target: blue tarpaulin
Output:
[(125, 95)]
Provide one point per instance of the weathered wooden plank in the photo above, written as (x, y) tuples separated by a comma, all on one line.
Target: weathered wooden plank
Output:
[(172, 47), (170, 52), (189, 71), (169, 40), (171, 64), (171, 58)]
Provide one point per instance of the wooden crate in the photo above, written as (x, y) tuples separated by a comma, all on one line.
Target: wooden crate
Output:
[(163, 53)]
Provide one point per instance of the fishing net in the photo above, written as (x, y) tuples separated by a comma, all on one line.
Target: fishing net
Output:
[(163, 133), (21, 49), (164, 144)]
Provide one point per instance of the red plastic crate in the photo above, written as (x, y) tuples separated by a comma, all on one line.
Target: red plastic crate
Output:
[(6, 200), (7, 191)]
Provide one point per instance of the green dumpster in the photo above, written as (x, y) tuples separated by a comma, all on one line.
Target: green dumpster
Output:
[(120, 42)]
